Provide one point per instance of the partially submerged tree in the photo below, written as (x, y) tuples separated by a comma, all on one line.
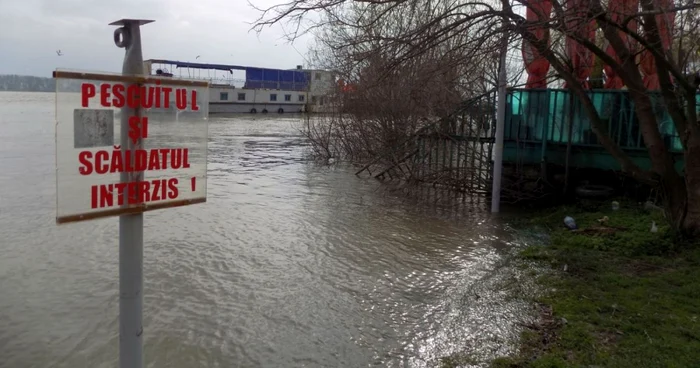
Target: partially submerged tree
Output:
[(393, 94), (650, 46)]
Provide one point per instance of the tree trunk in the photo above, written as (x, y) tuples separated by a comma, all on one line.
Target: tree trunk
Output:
[(688, 221), (681, 193)]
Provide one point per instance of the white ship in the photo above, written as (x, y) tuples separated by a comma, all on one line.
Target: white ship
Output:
[(262, 90)]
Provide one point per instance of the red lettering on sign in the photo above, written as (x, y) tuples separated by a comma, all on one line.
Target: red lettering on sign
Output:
[(132, 96), (166, 97), (154, 161), (84, 158), (144, 193), (140, 160), (135, 96), (181, 99), (120, 193), (172, 186), (157, 184), (100, 166), (93, 196), (158, 97), (118, 93), (132, 188), (87, 91), (194, 100), (164, 155), (147, 96), (138, 128), (175, 158), (185, 159), (104, 95), (106, 197), (118, 161), (133, 193)]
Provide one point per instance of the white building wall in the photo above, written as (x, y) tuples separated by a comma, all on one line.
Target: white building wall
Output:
[(321, 87), (228, 99)]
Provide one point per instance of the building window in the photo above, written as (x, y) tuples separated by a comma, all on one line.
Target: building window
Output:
[(273, 97), (301, 98), (241, 97), (318, 76), (223, 96), (287, 97), (322, 99), (313, 99)]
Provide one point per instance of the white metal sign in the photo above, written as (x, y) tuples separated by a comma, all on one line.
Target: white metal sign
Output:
[(165, 164)]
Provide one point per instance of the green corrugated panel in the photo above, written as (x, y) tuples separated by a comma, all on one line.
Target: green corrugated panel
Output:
[(529, 111)]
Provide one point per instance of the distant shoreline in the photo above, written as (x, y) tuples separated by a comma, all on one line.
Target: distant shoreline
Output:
[(28, 91), (26, 83)]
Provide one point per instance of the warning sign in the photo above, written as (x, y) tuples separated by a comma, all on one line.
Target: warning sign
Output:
[(127, 145)]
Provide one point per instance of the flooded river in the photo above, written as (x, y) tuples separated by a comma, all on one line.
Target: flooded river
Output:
[(288, 264)]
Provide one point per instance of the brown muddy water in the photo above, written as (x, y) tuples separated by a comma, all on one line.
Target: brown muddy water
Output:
[(288, 264)]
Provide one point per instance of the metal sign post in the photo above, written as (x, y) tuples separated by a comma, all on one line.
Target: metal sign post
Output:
[(500, 125), (128, 36), (126, 144)]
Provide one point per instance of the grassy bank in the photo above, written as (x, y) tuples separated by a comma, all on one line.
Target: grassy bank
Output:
[(625, 297)]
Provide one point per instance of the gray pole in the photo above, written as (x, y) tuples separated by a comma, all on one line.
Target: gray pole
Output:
[(130, 226), (500, 125)]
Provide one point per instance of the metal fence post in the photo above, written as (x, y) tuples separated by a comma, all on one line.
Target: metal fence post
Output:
[(500, 126)]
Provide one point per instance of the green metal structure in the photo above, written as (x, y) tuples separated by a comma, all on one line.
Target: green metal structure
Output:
[(540, 122)]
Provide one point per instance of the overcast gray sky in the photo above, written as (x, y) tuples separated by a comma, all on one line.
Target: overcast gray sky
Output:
[(32, 30)]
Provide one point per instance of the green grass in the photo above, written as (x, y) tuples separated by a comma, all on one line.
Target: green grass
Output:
[(456, 361), (628, 299)]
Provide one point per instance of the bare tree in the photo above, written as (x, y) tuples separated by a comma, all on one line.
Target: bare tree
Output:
[(393, 94), (413, 28)]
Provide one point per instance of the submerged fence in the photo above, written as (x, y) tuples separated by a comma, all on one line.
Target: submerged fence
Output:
[(453, 153)]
